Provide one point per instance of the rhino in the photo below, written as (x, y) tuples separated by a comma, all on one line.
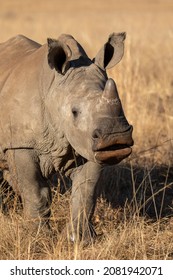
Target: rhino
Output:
[(60, 113)]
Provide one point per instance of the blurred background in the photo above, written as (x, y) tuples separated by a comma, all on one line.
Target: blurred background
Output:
[(88, 20)]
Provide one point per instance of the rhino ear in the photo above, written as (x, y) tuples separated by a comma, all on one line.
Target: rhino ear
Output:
[(112, 52), (58, 56)]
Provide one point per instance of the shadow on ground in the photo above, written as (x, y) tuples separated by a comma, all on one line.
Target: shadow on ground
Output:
[(148, 189)]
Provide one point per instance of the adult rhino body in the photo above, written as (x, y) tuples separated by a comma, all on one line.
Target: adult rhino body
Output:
[(58, 107)]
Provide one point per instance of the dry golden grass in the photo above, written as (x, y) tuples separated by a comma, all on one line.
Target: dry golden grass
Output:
[(133, 216)]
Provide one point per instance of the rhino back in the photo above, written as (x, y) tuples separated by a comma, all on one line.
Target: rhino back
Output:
[(21, 61), (12, 52)]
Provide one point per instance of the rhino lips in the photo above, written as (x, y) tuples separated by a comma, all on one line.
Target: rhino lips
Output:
[(113, 154)]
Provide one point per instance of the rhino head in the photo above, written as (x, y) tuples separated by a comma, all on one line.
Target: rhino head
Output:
[(89, 106)]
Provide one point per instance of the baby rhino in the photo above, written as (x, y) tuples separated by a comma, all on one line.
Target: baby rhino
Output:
[(60, 113)]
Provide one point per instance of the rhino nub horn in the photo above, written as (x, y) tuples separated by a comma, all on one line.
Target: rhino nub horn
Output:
[(110, 93)]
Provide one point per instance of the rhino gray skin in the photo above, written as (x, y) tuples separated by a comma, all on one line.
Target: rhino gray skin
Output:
[(58, 110)]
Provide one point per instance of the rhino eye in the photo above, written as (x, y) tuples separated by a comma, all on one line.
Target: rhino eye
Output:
[(75, 112)]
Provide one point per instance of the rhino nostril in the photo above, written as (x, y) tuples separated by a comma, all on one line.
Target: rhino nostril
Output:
[(96, 134), (75, 112)]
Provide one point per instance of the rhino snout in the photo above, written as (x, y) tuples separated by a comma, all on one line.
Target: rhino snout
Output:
[(112, 148)]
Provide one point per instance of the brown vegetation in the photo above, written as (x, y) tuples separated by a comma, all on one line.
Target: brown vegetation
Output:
[(133, 217)]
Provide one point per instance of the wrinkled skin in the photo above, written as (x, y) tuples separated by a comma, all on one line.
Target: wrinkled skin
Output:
[(58, 110)]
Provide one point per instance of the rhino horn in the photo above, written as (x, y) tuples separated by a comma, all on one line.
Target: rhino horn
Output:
[(110, 92)]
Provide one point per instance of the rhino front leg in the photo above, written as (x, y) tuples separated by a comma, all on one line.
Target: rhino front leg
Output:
[(83, 201), (27, 180)]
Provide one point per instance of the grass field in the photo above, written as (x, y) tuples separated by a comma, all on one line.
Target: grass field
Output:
[(134, 215)]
